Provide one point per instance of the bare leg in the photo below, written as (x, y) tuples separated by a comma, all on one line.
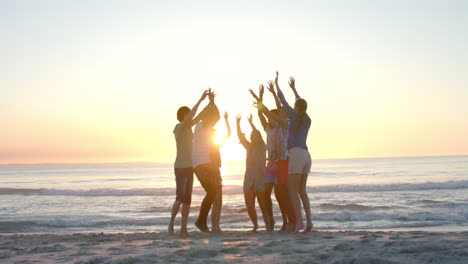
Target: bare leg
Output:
[(269, 204), (185, 215), (250, 204), (305, 202), (217, 204), (280, 194), (175, 210), (266, 218), (294, 180)]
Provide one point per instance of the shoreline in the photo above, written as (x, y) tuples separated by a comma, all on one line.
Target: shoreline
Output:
[(238, 247), (431, 229)]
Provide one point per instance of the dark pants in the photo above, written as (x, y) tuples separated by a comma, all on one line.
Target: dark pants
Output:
[(210, 179)]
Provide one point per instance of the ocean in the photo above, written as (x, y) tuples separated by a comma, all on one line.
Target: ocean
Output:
[(415, 193)]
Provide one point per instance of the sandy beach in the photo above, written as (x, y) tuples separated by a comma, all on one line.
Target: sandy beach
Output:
[(237, 247)]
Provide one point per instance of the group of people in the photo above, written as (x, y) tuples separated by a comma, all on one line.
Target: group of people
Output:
[(282, 163)]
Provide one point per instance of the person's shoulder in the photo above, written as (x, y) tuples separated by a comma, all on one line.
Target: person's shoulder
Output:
[(198, 126), (262, 143), (259, 148), (177, 127)]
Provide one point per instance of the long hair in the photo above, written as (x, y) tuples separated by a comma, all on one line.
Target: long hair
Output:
[(301, 109)]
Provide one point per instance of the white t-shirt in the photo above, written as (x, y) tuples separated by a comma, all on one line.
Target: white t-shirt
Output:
[(202, 143)]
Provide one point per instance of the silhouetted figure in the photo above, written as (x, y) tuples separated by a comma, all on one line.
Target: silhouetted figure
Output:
[(206, 161), (276, 171), (183, 164), (300, 161), (254, 186)]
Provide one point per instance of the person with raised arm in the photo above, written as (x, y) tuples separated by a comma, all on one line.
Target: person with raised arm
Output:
[(206, 162), (183, 164), (276, 171), (300, 161), (215, 157), (254, 173)]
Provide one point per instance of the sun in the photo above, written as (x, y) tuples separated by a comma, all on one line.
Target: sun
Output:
[(231, 150)]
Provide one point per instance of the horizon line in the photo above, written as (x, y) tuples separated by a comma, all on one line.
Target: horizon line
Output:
[(158, 162)]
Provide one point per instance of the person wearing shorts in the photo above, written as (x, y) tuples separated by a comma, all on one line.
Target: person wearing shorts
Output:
[(254, 176), (184, 184), (206, 161), (276, 171), (299, 158), (183, 164)]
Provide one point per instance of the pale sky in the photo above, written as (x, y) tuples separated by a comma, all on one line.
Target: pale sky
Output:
[(101, 81)]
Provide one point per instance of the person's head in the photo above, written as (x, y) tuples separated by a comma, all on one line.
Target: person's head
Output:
[(273, 123), (182, 113), (300, 106), (211, 117), (255, 137)]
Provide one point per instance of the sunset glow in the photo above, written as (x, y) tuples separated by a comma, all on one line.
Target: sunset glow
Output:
[(104, 84)]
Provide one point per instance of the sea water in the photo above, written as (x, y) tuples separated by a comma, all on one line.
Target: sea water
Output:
[(414, 193)]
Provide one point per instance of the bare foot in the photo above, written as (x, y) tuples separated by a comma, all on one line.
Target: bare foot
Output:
[(308, 228), (183, 233), (296, 229), (170, 229), (254, 229), (202, 227), (216, 230), (290, 228), (269, 228), (301, 226), (284, 227), (272, 226)]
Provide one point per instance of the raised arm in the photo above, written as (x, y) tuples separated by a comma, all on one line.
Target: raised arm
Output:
[(211, 95), (262, 119), (272, 91), (254, 95), (260, 114), (228, 127), (261, 91), (241, 135), (270, 115), (251, 123), (213, 106), (283, 101), (188, 120), (292, 84)]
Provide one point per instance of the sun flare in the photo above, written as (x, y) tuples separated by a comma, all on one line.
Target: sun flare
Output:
[(231, 150)]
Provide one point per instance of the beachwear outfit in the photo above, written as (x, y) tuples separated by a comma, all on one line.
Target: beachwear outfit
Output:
[(276, 170), (183, 164), (255, 164), (300, 161)]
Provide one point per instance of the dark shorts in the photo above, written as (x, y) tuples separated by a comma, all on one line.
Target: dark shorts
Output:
[(184, 183), (277, 172), (208, 174)]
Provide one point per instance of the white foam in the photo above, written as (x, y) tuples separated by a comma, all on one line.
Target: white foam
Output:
[(236, 189)]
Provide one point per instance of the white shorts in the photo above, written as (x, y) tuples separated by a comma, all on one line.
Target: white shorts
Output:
[(299, 161)]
